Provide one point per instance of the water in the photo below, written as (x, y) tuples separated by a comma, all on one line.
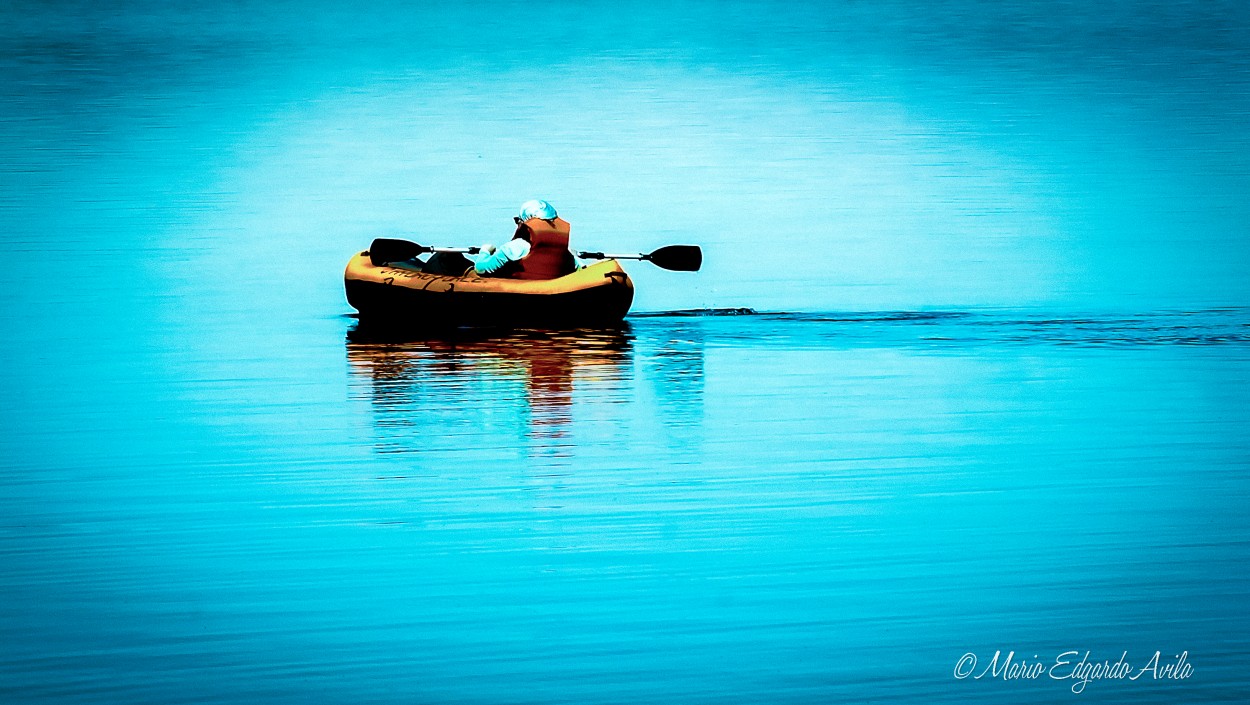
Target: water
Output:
[(993, 397)]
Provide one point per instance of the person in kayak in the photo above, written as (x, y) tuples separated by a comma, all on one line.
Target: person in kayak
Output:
[(539, 249)]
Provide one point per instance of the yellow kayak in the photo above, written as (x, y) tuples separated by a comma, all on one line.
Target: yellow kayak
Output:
[(399, 293)]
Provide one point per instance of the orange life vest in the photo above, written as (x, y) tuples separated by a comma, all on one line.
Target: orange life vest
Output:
[(549, 255)]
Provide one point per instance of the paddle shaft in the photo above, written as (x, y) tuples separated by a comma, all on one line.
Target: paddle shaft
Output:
[(609, 255), (678, 258), (583, 255)]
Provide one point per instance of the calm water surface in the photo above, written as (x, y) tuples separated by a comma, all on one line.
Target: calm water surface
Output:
[(994, 397)]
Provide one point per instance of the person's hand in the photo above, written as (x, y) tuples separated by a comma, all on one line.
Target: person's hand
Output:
[(487, 249)]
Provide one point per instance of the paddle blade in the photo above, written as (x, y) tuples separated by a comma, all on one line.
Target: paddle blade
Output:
[(678, 258), (385, 250)]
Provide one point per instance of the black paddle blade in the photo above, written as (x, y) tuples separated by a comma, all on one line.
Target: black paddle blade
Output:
[(678, 258), (385, 250)]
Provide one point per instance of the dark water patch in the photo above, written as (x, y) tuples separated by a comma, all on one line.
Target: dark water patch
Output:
[(1222, 326), (696, 313), (953, 330), (871, 316)]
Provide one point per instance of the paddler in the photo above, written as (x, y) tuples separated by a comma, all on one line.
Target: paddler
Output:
[(539, 249)]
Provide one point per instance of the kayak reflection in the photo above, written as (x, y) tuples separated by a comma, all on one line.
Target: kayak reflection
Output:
[(529, 394), (490, 392)]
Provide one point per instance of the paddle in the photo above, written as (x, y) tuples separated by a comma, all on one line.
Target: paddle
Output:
[(677, 258), (385, 250)]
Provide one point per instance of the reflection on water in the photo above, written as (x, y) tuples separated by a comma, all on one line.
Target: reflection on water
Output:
[(482, 389), (526, 378)]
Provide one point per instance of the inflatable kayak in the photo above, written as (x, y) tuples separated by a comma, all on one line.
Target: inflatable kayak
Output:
[(400, 293)]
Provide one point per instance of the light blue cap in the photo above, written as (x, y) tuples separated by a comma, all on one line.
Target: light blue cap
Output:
[(537, 209)]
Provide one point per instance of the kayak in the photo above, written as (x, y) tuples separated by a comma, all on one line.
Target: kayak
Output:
[(400, 293)]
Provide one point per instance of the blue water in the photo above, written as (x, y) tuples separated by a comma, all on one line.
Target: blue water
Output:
[(965, 370)]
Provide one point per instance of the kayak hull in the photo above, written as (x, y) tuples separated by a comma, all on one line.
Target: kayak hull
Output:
[(400, 294)]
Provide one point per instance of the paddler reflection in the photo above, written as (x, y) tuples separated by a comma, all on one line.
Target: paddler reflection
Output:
[(490, 396)]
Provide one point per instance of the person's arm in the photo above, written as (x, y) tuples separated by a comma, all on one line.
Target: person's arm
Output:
[(510, 251)]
